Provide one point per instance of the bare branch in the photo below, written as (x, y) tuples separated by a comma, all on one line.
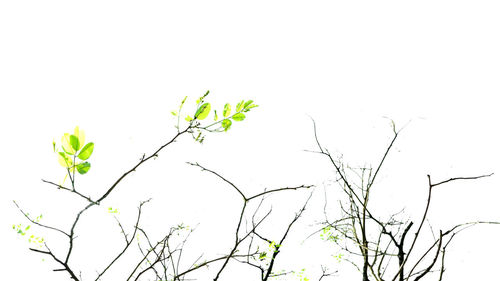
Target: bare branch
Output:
[(459, 178)]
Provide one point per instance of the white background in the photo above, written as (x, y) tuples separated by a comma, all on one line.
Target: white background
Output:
[(117, 69)]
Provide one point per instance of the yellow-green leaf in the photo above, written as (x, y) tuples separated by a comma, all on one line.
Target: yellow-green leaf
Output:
[(66, 144), (83, 168), (75, 143), (203, 111), (247, 103), (226, 124), (239, 117), (86, 151), (64, 160), (227, 110), (239, 106)]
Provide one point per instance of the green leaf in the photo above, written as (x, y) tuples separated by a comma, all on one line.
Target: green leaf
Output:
[(215, 115), (239, 106), (247, 103), (75, 143), (66, 146), (83, 168), (239, 117), (64, 160), (174, 113), (188, 118), (202, 112), (246, 109), (54, 145), (182, 104), (227, 110), (200, 137), (262, 255), (86, 151), (200, 100), (226, 124)]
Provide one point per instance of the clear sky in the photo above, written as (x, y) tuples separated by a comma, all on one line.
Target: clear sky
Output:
[(117, 69)]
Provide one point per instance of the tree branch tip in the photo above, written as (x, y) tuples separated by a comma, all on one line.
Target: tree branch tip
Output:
[(39, 251), (145, 201), (193, 164)]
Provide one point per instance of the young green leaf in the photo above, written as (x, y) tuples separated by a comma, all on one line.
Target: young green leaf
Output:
[(75, 143), (247, 103), (83, 168), (239, 117), (188, 118), (201, 99), (86, 151), (215, 115), (226, 124), (262, 255), (246, 109), (54, 145), (227, 110), (180, 106), (174, 113), (239, 106), (202, 112)]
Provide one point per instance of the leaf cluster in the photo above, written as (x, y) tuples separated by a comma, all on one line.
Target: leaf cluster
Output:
[(72, 150), (219, 123)]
